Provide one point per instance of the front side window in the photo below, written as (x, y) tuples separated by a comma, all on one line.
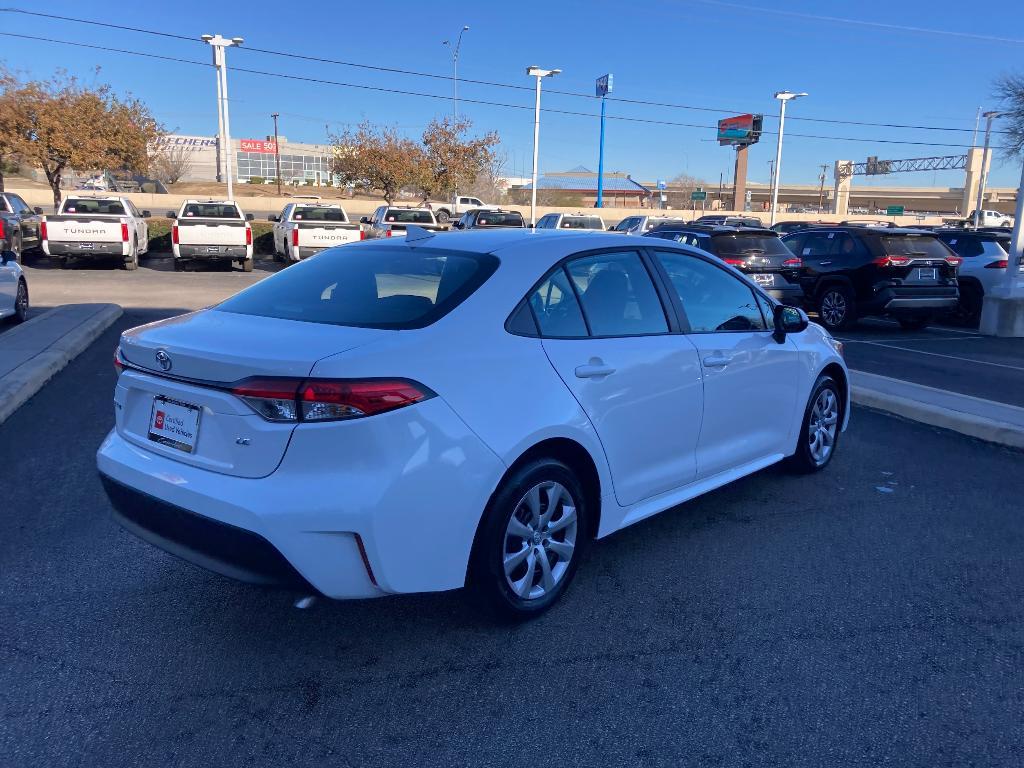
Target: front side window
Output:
[(816, 244), (367, 288), (546, 222), (556, 309), (617, 295), (713, 299)]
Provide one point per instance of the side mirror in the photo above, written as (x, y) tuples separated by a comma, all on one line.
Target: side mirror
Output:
[(531, 226), (146, 214), (38, 210), (6, 257), (172, 215), (789, 320), (364, 220), (273, 217), (249, 217)]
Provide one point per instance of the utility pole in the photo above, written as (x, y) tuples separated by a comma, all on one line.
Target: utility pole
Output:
[(277, 154), (989, 117), (604, 87), (219, 43), (821, 188)]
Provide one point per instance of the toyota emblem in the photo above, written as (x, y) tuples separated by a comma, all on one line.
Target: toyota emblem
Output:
[(164, 359)]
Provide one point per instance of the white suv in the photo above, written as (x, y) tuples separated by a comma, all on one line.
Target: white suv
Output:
[(570, 221)]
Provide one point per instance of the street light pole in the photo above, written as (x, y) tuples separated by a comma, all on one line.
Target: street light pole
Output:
[(277, 154), (455, 70), (604, 87), (783, 97), (540, 74), (219, 43), (989, 117)]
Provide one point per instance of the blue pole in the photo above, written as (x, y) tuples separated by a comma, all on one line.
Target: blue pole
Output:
[(600, 162)]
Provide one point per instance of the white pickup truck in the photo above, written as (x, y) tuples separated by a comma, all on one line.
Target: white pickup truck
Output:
[(211, 230), (302, 230), (391, 221), (458, 205), (95, 227)]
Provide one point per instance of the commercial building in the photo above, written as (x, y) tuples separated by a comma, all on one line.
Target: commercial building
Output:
[(253, 158)]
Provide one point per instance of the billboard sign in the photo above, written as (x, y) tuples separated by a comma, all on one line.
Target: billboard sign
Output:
[(257, 145), (604, 85), (741, 130)]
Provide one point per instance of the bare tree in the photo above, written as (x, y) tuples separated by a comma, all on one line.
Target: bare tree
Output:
[(171, 162), (455, 160), (1010, 88)]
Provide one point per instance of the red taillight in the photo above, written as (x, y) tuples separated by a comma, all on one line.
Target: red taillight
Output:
[(954, 261), (327, 399), (42, 230), (362, 234), (388, 233), (118, 360), (295, 238), (795, 263), (733, 262), (124, 232), (248, 235), (1, 229), (174, 234), (892, 261), (1001, 264)]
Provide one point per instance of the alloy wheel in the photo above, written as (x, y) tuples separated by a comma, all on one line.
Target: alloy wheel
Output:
[(540, 540), (833, 308), (822, 426)]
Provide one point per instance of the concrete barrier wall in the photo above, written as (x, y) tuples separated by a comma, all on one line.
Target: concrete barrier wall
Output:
[(356, 207)]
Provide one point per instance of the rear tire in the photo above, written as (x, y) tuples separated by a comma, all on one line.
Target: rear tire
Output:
[(131, 261), (179, 265), (443, 217), (247, 265), (968, 311), (836, 307), (914, 323), (21, 303), (61, 262), (530, 541), (819, 430)]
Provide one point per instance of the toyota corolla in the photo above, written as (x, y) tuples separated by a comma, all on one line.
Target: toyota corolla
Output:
[(459, 410)]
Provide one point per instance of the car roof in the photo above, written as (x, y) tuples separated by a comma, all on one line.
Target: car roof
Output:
[(983, 234), (863, 229), (715, 229)]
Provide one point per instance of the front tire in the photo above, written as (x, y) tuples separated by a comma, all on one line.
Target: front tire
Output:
[(443, 217), (16, 248), (21, 303), (530, 541), (819, 430), (837, 310)]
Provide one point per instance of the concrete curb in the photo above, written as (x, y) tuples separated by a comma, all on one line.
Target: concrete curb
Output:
[(984, 419), (56, 348)]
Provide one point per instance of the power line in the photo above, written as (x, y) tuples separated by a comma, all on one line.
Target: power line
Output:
[(482, 102), (512, 86)]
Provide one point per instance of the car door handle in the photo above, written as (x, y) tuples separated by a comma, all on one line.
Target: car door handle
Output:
[(717, 361), (593, 370)]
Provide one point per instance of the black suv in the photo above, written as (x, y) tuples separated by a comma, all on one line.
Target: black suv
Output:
[(489, 218), (757, 253), (853, 271)]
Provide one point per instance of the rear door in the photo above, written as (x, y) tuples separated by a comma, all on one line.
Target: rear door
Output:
[(8, 287), (607, 334), (750, 381)]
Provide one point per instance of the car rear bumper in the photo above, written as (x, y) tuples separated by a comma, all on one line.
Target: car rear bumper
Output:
[(791, 296), (99, 250), (206, 252), (903, 300)]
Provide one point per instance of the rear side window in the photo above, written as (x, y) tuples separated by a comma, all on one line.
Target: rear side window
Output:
[(918, 246), (965, 246), (713, 299), (617, 295), (556, 309), (816, 244), (101, 207), (368, 288), (211, 211)]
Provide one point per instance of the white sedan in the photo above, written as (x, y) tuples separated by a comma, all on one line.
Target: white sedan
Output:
[(458, 410), (13, 288)]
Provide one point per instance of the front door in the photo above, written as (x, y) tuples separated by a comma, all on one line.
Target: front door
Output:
[(638, 383), (8, 287), (750, 380)]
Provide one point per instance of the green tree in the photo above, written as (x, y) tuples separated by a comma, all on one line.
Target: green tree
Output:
[(453, 159), (379, 157)]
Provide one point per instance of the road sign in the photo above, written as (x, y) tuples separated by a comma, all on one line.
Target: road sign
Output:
[(698, 194), (661, 184), (604, 85), (894, 210)]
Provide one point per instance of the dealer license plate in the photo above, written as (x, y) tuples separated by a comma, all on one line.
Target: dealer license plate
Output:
[(764, 279), (174, 424), (926, 274), (86, 246), (213, 249)]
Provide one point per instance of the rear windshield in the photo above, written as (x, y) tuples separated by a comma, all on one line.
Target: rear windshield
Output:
[(86, 205), (311, 213), (368, 287), (921, 246), (211, 211), (581, 222), (490, 219), (652, 223), (399, 216), (744, 245)]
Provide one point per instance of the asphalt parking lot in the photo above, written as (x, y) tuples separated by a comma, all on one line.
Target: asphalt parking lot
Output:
[(867, 615)]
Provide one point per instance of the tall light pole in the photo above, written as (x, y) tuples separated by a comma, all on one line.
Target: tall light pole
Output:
[(540, 74), (989, 117), (455, 70), (277, 154), (604, 87), (219, 43), (783, 97)]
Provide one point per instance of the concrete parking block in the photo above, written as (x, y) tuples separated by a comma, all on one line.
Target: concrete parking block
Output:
[(32, 353), (984, 419)]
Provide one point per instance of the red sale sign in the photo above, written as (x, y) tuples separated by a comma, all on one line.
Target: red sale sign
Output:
[(258, 145)]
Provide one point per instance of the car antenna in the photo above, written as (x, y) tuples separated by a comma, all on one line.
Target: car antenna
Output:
[(414, 234)]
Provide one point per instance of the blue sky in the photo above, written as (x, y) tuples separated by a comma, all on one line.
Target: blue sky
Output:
[(706, 53)]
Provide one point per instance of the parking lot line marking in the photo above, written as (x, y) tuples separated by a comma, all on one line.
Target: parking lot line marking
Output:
[(880, 321), (902, 339), (936, 354)]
